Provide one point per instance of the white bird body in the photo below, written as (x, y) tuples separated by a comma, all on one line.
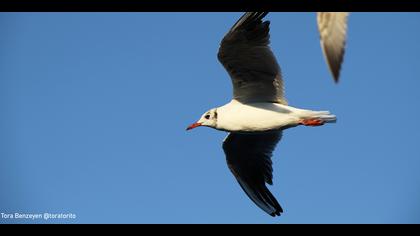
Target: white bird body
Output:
[(263, 116)]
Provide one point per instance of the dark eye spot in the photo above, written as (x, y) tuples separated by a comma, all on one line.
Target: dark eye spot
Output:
[(207, 117)]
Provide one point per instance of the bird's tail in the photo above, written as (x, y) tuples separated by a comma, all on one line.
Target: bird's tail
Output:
[(324, 116), (317, 118)]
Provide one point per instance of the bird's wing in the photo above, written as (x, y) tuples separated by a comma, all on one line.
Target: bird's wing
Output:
[(246, 55), (248, 157), (332, 28)]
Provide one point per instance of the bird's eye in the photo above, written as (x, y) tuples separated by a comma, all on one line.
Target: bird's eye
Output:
[(207, 117)]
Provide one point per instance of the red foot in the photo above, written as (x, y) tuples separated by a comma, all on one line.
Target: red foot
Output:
[(312, 122)]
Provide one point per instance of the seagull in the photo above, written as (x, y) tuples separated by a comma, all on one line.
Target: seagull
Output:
[(332, 27), (258, 112)]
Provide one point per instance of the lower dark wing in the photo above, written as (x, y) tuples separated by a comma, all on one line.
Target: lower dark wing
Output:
[(248, 157)]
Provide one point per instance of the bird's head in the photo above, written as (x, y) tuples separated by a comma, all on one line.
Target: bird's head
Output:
[(209, 119)]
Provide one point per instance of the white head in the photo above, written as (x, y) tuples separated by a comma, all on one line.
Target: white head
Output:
[(209, 119)]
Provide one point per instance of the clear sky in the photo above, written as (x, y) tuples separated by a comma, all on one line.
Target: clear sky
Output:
[(94, 108)]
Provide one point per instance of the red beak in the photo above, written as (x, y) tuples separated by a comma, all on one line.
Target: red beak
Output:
[(195, 125)]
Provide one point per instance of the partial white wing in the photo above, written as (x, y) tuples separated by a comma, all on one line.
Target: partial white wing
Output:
[(248, 157), (247, 57), (332, 28)]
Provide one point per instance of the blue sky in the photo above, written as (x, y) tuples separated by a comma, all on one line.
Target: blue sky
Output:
[(94, 108)]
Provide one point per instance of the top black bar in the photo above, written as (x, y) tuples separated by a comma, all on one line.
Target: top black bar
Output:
[(208, 5)]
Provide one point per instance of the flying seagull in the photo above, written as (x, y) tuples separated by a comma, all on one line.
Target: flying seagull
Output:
[(258, 112), (332, 27)]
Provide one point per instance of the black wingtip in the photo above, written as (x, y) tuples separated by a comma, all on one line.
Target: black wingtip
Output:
[(278, 212), (247, 18), (336, 75), (263, 198)]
